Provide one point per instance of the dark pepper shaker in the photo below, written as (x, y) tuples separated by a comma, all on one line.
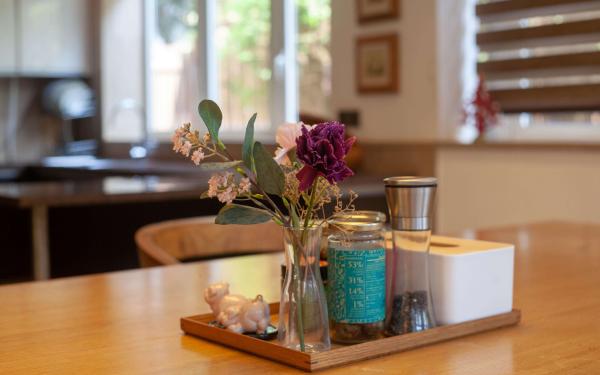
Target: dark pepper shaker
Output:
[(408, 300)]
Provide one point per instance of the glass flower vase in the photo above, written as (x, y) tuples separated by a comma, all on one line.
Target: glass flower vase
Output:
[(303, 319)]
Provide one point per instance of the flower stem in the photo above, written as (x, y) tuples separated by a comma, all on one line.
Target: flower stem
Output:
[(298, 290), (309, 210), (299, 249), (296, 278), (268, 199)]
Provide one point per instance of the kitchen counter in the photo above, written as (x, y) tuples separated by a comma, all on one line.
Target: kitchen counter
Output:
[(68, 168), (100, 190), (118, 189), (136, 195)]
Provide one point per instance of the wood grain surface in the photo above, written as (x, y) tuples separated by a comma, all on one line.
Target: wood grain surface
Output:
[(339, 355), (128, 322)]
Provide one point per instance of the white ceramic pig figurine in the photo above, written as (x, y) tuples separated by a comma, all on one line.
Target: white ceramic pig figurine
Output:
[(253, 316), (230, 319), (235, 312), (224, 306)]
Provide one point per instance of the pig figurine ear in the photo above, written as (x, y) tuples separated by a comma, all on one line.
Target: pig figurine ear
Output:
[(214, 294)]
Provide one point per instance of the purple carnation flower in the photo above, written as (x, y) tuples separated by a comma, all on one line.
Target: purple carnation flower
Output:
[(323, 149)]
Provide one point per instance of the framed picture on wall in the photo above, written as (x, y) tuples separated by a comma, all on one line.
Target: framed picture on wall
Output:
[(375, 10), (377, 64)]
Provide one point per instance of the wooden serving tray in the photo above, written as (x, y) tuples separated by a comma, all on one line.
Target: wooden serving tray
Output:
[(339, 355)]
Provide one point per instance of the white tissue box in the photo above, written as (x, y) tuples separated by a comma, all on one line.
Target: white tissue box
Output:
[(470, 279)]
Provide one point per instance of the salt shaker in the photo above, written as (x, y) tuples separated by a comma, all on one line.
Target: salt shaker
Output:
[(408, 300)]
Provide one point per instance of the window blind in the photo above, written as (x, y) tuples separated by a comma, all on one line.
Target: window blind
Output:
[(541, 55)]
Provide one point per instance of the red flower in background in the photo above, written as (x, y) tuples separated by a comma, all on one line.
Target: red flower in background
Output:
[(483, 108)]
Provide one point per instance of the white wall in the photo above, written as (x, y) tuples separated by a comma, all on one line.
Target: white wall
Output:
[(457, 68), (502, 185), (412, 114), (491, 186), (122, 70), (478, 186), (8, 57)]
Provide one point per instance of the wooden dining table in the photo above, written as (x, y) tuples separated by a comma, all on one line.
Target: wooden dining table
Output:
[(128, 322)]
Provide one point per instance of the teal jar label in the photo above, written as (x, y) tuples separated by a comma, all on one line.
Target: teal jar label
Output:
[(356, 285)]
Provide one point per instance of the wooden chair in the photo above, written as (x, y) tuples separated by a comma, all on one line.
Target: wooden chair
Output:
[(174, 241)]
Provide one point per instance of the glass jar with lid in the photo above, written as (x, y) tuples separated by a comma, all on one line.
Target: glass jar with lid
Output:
[(356, 276)]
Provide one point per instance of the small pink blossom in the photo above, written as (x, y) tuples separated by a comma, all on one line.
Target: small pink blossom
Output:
[(213, 185), (244, 186), (217, 182), (197, 156), (177, 143), (228, 195), (178, 138), (222, 185), (181, 131), (186, 148)]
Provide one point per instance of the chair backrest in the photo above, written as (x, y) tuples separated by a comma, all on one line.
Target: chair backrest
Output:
[(170, 242)]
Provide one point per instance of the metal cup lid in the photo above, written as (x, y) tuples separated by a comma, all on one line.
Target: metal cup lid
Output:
[(410, 201), (410, 181)]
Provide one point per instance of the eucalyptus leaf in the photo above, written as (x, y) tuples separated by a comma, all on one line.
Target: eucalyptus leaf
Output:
[(249, 144), (238, 214), (269, 175), (211, 115), (220, 166)]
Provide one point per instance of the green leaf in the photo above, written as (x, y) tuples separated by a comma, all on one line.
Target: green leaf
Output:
[(220, 166), (249, 144), (238, 214), (212, 117), (269, 175), (204, 195)]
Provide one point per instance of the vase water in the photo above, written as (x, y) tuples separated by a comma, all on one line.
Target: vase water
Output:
[(303, 319)]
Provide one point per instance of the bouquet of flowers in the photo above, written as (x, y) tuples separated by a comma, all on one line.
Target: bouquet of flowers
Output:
[(303, 175)]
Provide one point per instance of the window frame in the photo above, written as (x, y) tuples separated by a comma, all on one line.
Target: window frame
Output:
[(284, 86)]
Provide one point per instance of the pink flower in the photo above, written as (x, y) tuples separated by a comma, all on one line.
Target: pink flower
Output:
[(197, 156), (186, 148), (323, 151), (181, 131), (222, 186), (177, 142), (244, 186), (217, 182), (228, 195), (213, 185), (178, 138), (286, 138)]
